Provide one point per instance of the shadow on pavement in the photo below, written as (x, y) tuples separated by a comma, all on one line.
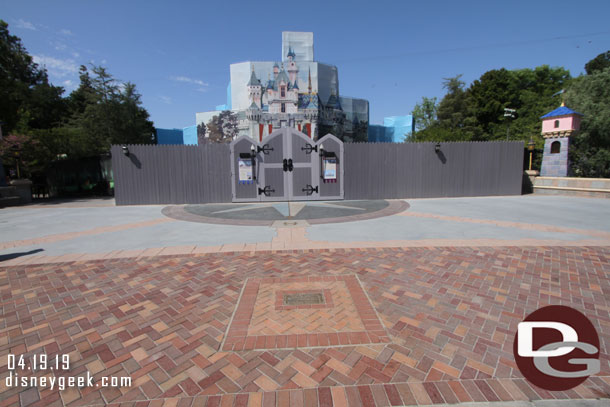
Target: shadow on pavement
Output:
[(72, 202), (10, 256)]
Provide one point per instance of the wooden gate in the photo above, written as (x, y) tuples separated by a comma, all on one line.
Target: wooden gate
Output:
[(287, 166)]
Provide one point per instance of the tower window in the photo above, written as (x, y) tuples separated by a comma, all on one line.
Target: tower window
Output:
[(283, 92), (556, 124), (555, 147), (283, 107)]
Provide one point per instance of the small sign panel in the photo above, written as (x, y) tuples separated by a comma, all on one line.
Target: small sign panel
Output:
[(245, 171), (330, 168)]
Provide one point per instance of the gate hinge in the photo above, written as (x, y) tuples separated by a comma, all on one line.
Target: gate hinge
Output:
[(267, 190), (310, 189)]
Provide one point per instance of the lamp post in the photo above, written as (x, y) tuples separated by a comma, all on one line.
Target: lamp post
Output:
[(530, 147), (510, 113), (15, 151)]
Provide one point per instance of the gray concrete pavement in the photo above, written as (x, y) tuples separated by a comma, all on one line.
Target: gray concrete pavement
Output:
[(68, 228)]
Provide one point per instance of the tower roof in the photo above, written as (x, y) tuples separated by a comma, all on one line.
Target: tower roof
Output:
[(309, 79), (560, 111), (333, 101), (314, 102), (254, 80), (291, 53), (281, 77)]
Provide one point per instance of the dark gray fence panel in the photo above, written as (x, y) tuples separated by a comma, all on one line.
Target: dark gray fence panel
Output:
[(200, 174), (171, 174), (415, 170)]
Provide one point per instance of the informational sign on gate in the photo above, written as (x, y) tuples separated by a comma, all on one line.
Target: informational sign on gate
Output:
[(330, 168), (245, 171)]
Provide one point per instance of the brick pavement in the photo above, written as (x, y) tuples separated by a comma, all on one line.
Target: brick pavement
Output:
[(263, 321), (450, 315)]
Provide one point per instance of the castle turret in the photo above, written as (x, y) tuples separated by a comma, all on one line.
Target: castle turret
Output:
[(293, 71), (309, 82), (276, 70), (557, 128), (290, 54), (255, 89)]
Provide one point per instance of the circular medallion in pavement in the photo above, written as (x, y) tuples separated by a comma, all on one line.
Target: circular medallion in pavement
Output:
[(285, 213)]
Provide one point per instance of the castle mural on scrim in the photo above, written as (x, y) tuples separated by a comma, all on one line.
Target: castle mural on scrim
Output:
[(295, 92)]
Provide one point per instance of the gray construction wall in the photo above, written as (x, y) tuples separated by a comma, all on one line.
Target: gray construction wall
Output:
[(415, 170), (154, 174), (200, 174)]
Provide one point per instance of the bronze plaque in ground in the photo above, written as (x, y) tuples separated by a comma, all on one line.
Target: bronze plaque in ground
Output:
[(303, 299)]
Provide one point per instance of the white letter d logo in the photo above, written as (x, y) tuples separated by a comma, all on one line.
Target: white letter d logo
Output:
[(525, 344)]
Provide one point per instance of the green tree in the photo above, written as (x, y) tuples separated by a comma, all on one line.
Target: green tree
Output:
[(27, 100), (134, 126), (201, 133), (538, 90), (590, 150), (424, 113), (84, 95), (17, 150), (42, 125), (452, 108), (598, 64), (487, 98), (477, 113), (529, 91), (107, 112), (222, 128), (445, 120)]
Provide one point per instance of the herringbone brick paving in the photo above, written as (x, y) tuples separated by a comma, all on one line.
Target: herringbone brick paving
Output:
[(451, 314), (263, 321)]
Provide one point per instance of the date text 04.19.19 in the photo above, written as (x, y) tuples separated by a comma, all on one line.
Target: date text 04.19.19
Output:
[(38, 362)]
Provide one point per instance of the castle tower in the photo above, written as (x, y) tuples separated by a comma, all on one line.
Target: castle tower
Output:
[(276, 70), (309, 82), (292, 69), (254, 89), (290, 54), (557, 127)]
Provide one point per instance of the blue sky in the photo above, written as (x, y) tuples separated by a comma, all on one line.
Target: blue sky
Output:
[(389, 52)]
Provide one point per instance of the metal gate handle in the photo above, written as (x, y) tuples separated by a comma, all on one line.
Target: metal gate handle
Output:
[(285, 165), (290, 167)]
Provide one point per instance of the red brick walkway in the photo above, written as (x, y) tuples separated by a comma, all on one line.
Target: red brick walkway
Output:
[(450, 315)]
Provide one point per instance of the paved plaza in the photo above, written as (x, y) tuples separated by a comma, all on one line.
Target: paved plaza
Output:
[(97, 229), (414, 306)]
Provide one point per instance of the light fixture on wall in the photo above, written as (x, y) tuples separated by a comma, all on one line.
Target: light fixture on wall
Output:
[(437, 147), (125, 150), (252, 157)]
